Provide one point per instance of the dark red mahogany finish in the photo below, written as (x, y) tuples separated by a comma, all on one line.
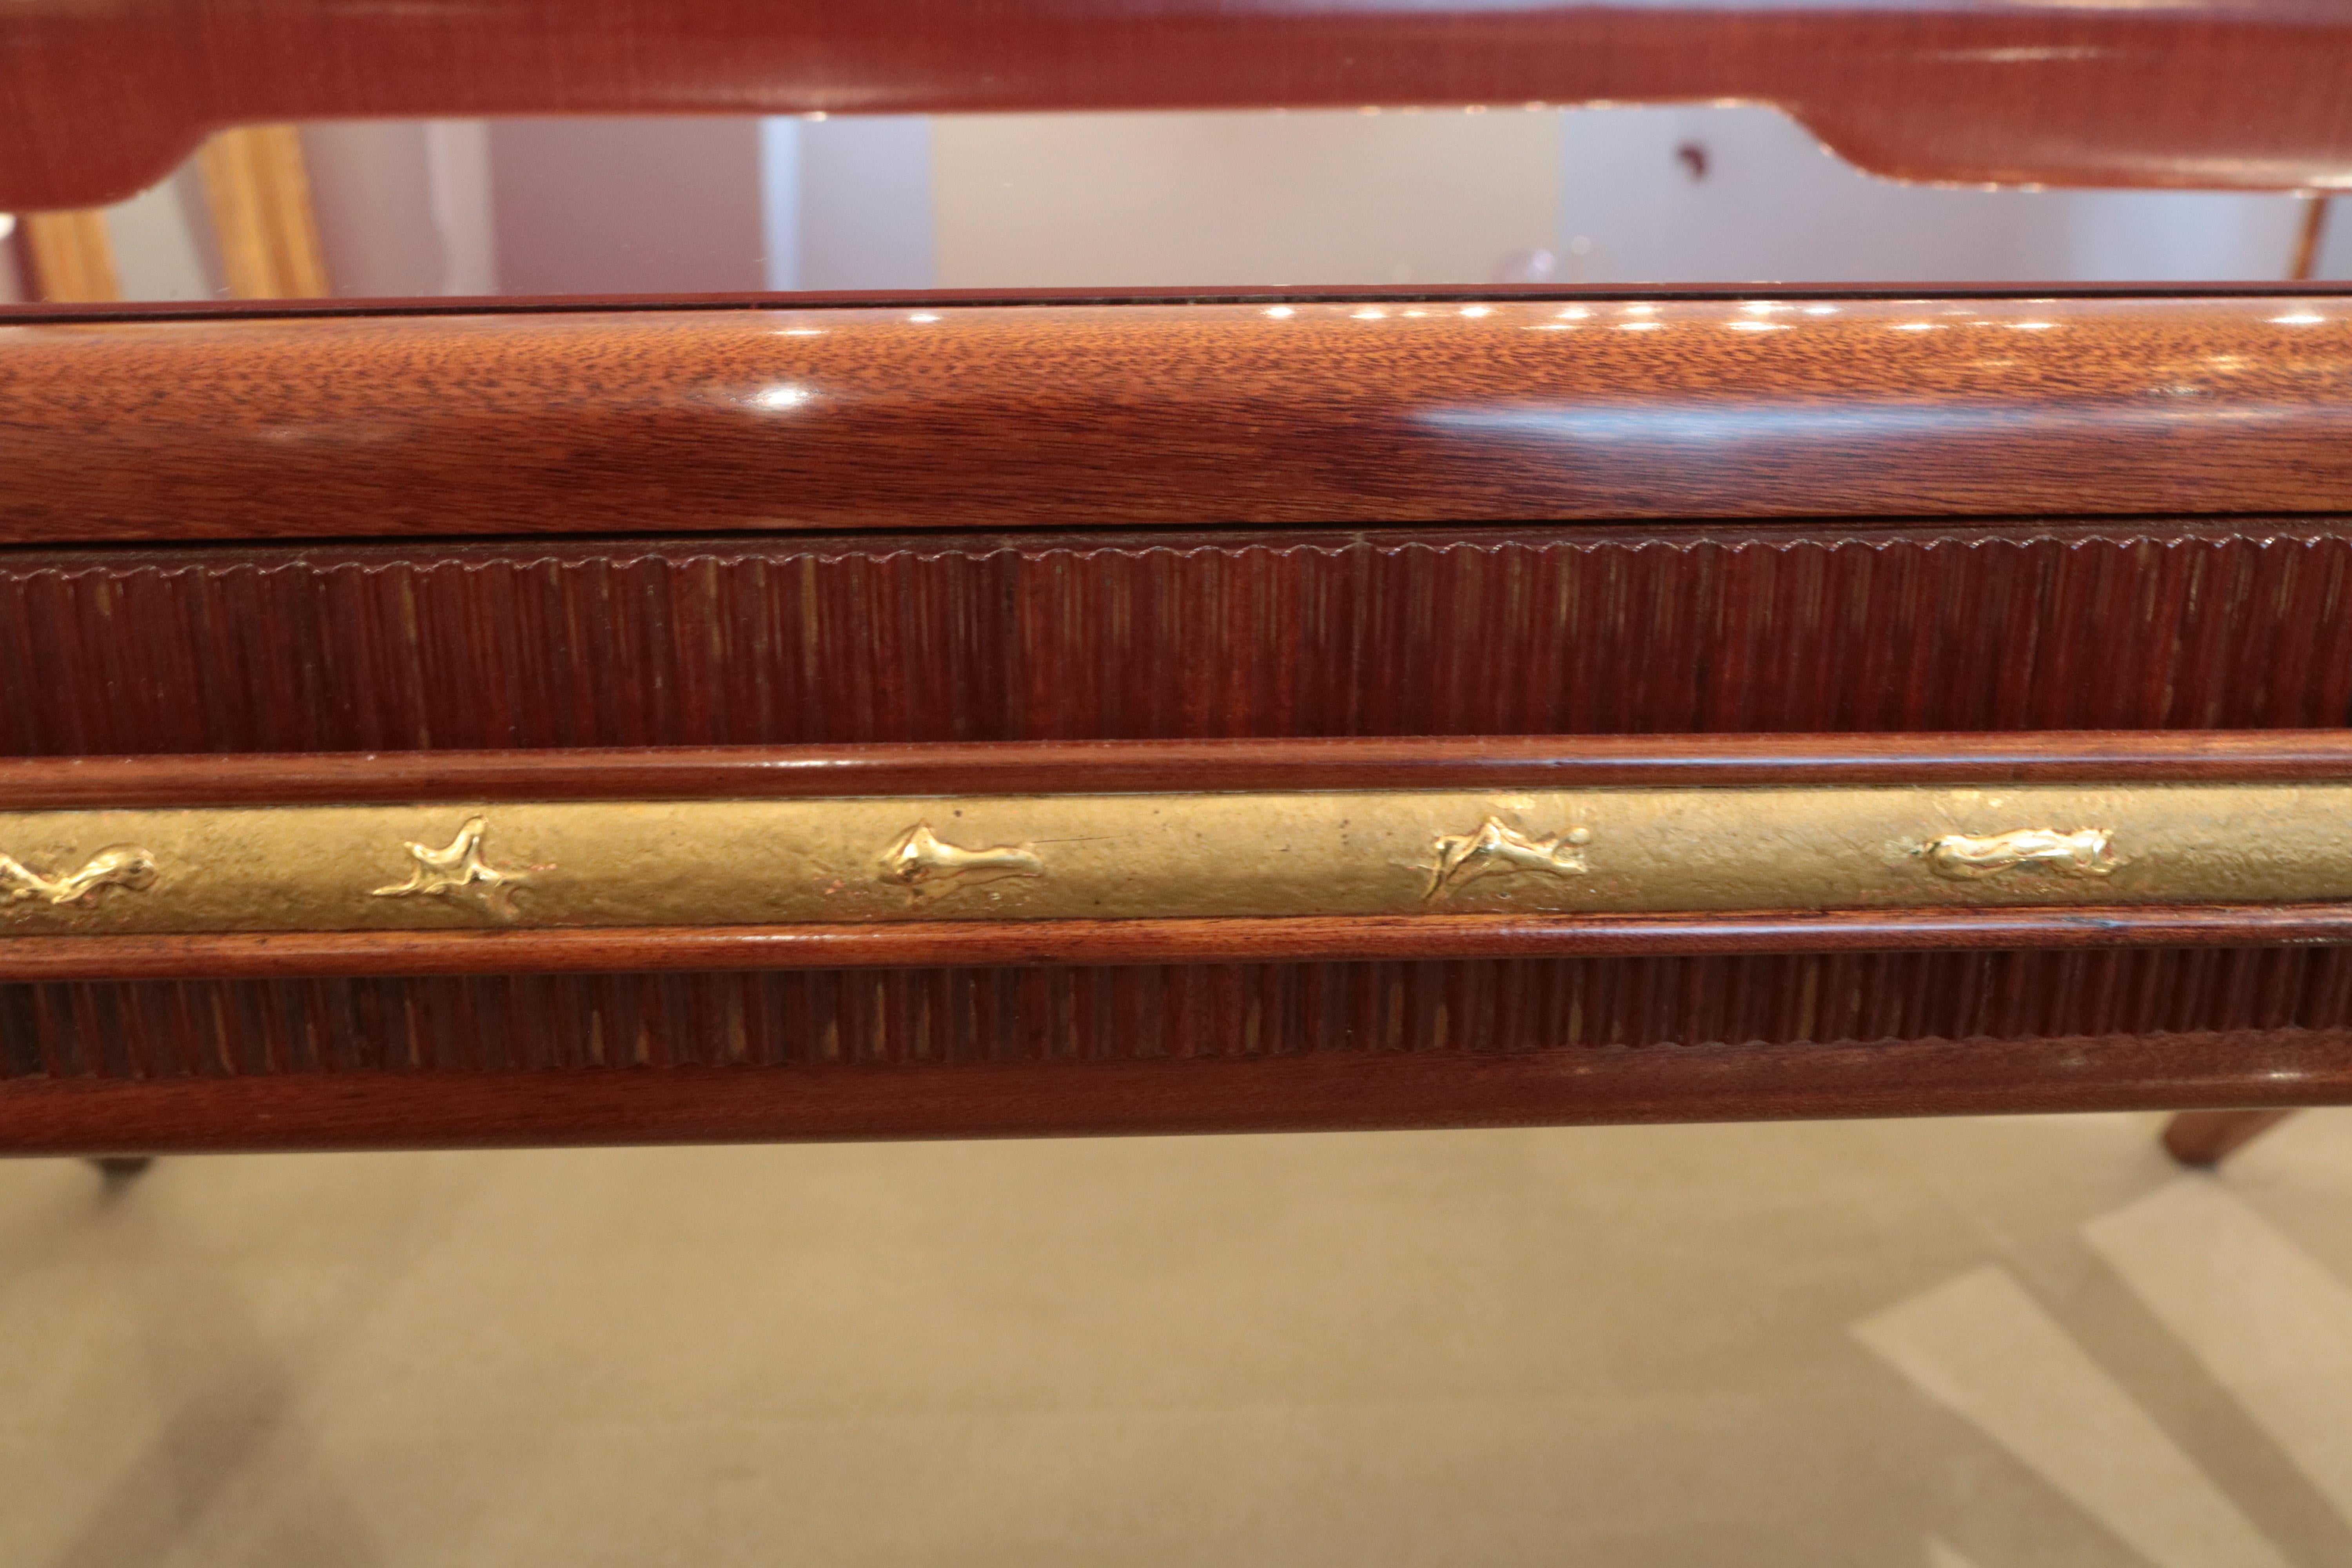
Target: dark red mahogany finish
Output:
[(1361, 413), (104, 98), (1404, 535)]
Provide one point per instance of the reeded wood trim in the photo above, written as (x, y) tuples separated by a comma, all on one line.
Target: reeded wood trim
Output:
[(72, 256), (260, 197), (701, 1105), (876, 638), (1209, 414), (582, 950)]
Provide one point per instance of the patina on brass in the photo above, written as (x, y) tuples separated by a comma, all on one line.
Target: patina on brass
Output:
[(460, 873), (2085, 852), (116, 866), (929, 868), (1129, 856), (1495, 848)]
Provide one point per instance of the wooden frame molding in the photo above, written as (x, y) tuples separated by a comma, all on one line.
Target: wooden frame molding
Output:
[(1365, 411), (1168, 852)]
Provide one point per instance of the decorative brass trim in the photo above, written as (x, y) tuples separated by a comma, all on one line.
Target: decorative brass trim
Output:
[(1496, 849), (461, 874), (122, 866), (1218, 853), (929, 868), (2086, 852)]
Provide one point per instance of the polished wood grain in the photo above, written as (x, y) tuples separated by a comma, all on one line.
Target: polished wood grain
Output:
[(586, 950), (428, 1108), (1327, 414), (2130, 624), (1037, 767), (104, 99)]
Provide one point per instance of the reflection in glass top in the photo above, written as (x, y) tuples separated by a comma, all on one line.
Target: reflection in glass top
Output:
[(1723, 194)]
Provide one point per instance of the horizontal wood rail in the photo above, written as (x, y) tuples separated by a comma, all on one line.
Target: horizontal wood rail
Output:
[(1348, 413), (1021, 767)]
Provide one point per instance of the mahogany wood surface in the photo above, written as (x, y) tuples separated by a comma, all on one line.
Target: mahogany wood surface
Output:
[(2209, 1137), (101, 100), (441, 1108), (1046, 767), (1014, 943), (1103, 416), (2131, 625)]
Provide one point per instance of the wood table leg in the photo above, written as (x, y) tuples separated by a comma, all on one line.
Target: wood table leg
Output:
[(2206, 1137)]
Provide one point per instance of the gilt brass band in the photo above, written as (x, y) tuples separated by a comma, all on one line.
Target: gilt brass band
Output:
[(1145, 855)]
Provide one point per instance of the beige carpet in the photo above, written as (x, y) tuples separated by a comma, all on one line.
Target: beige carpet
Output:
[(1988, 1343)]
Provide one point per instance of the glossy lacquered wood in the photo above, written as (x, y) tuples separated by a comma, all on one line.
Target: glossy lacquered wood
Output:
[(1323, 413), (102, 99), (1042, 767), (1022, 943), (429, 1109)]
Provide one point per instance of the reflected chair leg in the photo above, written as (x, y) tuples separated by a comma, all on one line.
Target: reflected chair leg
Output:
[(2206, 1137), (122, 1167)]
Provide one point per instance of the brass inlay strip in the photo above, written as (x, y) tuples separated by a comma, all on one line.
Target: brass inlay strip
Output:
[(1126, 857)]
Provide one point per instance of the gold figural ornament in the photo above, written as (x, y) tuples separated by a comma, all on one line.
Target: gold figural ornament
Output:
[(1962, 858), (1498, 850), (117, 866), (461, 874), (929, 869)]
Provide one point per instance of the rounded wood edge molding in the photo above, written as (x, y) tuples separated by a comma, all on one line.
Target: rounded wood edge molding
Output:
[(1339, 413), (587, 950), (1024, 767)]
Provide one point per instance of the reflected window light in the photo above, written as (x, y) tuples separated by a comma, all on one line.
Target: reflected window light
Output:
[(1756, 326), (777, 399), (2300, 319), (1416, 313), (1553, 327), (1574, 313), (1641, 310), (924, 315), (2030, 326), (1476, 310), (1282, 312), (1917, 327), (1371, 315), (803, 331), (1638, 326), (1820, 310)]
